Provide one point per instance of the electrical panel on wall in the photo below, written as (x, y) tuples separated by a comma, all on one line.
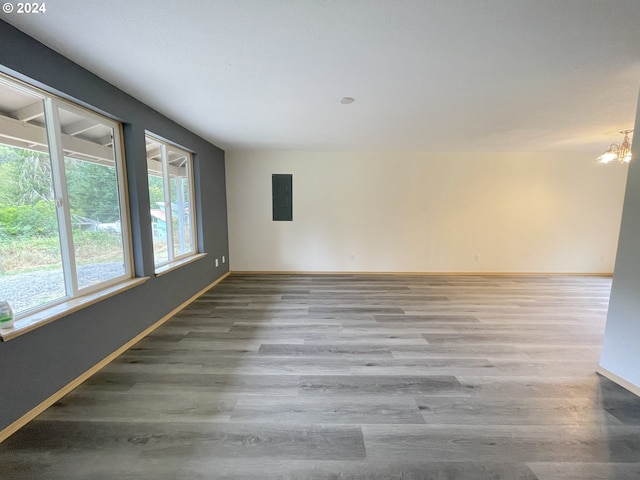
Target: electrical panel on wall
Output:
[(282, 197)]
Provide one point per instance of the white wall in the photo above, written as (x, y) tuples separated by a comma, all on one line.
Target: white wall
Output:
[(426, 212), (620, 359)]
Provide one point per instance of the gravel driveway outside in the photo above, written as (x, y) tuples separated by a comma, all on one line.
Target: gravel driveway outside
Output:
[(28, 290)]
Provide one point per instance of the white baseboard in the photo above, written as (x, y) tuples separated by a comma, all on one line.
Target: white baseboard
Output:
[(487, 274), (619, 380)]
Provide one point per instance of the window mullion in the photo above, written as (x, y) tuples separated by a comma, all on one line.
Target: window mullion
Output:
[(168, 214), (54, 133), (192, 204), (125, 219)]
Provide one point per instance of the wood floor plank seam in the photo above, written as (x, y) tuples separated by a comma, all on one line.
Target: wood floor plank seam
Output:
[(352, 376), (37, 410)]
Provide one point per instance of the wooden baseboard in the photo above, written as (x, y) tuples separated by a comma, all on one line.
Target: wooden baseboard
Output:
[(33, 413), (484, 274), (619, 380)]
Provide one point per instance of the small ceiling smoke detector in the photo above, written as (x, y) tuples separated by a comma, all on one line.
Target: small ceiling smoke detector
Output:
[(347, 100)]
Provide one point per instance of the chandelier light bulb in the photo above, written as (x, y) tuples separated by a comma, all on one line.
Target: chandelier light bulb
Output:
[(618, 152)]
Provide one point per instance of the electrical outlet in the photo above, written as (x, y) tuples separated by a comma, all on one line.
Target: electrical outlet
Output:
[(352, 257), (477, 257), (216, 262)]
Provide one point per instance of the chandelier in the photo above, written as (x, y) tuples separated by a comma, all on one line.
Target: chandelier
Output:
[(618, 152)]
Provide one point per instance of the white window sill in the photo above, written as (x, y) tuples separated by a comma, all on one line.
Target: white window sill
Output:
[(178, 263), (42, 317)]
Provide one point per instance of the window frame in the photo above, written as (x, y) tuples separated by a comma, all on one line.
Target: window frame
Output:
[(63, 199), (75, 297), (174, 261)]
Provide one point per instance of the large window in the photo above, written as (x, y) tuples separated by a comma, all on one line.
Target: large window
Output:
[(63, 232), (170, 171)]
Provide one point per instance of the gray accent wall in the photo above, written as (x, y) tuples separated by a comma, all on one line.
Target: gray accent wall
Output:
[(621, 348), (36, 365)]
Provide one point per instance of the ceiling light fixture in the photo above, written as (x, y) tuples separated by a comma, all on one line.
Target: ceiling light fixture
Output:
[(618, 152), (347, 100)]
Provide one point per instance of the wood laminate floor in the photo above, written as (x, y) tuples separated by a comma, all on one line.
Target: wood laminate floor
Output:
[(352, 377)]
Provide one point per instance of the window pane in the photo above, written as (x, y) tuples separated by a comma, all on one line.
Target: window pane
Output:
[(156, 197), (30, 261), (179, 162), (92, 186), (172, 216)]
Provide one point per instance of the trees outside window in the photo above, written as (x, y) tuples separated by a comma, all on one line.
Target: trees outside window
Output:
[(63, 231)]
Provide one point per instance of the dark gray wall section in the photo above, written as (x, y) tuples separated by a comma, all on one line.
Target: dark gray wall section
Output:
[(621, 347), (38, 364)]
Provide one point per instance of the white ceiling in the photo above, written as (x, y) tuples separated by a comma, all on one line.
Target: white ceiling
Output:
[(431, 75)]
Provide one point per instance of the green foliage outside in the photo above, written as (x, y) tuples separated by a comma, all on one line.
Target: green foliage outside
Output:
[(156, 191), (25, 221), (25, 177), (93, 191), (28, 218)]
